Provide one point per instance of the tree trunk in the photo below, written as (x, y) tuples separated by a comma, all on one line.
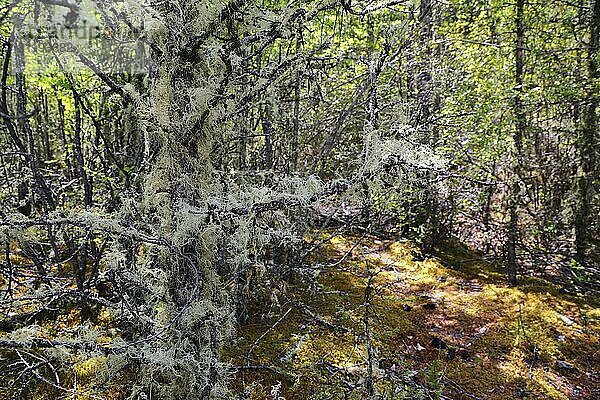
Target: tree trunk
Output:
[(520, 128), (586, 141), (293, 162), (197, 316)]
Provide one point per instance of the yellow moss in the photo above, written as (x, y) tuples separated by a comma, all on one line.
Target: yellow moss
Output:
[(20, 260), (403, 250), (339, 349), (337, 240), (498, 328), (342, 281), (391, 320), (547, 382), (92, 369)]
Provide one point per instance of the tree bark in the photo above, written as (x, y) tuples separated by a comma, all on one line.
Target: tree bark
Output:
[(586, 141), (520, 131)]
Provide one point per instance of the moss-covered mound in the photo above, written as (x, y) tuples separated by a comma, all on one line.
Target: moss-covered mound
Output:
[(382, 323)]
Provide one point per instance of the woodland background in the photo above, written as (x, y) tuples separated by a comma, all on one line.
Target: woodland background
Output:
[(185, 182)]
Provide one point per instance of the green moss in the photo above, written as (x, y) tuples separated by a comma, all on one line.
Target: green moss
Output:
[(499, 342)]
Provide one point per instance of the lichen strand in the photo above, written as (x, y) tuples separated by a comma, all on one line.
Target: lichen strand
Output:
[(188, 283), (192, 312)]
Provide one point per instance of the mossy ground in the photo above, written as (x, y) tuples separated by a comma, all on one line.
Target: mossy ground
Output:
[(451, 329), (439, 328), (86, 377)]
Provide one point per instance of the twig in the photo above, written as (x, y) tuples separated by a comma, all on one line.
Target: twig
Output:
[(253, 345)]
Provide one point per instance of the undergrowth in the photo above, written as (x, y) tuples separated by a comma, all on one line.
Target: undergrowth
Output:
[(437, 329)]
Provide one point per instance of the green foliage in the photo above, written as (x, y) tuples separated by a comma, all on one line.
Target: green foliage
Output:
[(161, 206)]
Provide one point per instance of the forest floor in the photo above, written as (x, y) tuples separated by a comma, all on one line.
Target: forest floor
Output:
[(442, 327), (375, 316)]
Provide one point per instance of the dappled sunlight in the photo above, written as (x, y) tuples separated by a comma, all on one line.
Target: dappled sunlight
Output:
[(491, 341), (432, 327)]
